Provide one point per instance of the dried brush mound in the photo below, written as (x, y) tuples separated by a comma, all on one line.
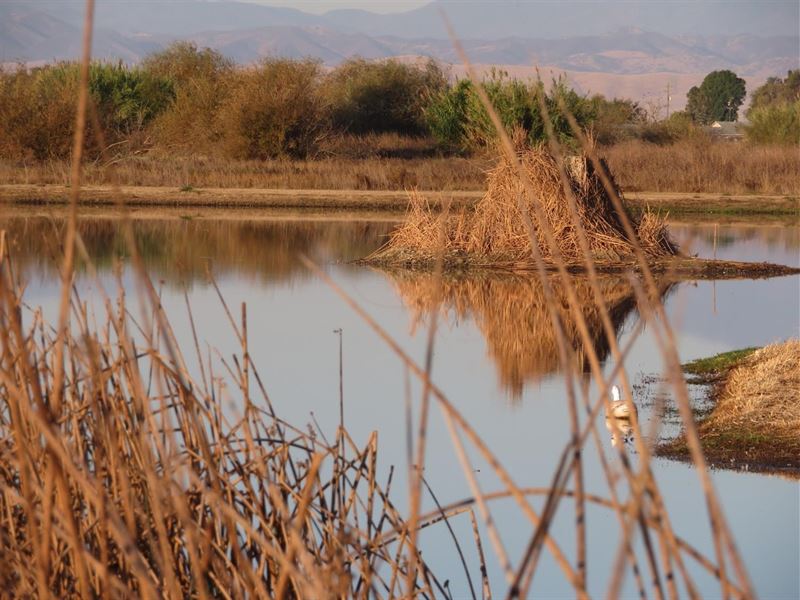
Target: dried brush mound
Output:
[(762, 395), (756, 417), (496, 233)]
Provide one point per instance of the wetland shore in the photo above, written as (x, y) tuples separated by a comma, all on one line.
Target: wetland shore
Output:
[(713, 204), (752, 423)]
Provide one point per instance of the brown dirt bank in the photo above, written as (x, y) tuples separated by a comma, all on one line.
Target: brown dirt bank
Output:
[(670, 269), (140, 196), (755, 421), (202, 213)]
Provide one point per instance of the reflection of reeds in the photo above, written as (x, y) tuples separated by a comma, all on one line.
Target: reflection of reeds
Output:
[(496, 232), (511, 312), (183, 250)]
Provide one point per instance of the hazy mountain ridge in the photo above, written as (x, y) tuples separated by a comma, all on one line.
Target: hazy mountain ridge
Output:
[(128, 30), (558, 18)]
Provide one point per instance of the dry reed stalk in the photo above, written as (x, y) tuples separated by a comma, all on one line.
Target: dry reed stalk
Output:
[(158, 491), (545, 229), (719, 528), (646, 478)]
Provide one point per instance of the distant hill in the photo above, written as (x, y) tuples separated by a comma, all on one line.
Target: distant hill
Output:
[(31, 35), (492, 19), (517, 37)]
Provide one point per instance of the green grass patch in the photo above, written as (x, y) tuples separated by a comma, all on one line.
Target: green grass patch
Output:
[(717, 363)]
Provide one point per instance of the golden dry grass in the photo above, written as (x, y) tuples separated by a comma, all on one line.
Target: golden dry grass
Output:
[(391, 163), (755, 421), (763, 393), (700, 165), (496, 233), (333, 173), (140, 478)]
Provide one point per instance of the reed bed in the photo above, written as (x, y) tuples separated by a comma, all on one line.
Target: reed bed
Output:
[(495, 233), (703, 165), (324, 173), (685, 166), (139, 478)]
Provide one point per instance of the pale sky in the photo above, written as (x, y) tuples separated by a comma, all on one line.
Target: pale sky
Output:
[(321, 6)]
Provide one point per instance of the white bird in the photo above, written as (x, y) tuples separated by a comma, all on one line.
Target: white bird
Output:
[(618, 408)]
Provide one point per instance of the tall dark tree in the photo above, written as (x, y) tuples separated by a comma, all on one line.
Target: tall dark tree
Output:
[(717, 99)]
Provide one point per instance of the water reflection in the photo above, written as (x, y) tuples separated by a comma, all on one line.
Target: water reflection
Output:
[(741, 241), (511, 313), (181, 250), (624, 431), (297, 354)]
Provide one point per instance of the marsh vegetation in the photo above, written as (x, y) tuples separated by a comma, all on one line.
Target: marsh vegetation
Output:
[(138, 460)]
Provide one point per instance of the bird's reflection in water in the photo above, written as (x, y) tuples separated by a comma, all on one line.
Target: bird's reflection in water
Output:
[(623, 434)]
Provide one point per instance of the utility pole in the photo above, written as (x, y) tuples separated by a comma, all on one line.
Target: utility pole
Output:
[(668, 99)]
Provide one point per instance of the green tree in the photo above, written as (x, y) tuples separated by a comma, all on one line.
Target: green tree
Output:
[(718, 98)]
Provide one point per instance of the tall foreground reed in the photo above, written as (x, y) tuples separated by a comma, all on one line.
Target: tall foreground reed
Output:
[(122, 473), (138, 478)]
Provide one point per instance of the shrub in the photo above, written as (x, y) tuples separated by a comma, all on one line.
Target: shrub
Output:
[(37, 107), (201, 79), (127, 99), (273, 111), (777, 91), (379, 97), (616, 119), (37, 112), (457, 118), (775, 124)]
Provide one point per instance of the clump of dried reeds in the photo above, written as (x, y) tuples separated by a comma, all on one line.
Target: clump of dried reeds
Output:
[(763, 391), (755, 419), (758, 404), (496, 232), (135, 476)]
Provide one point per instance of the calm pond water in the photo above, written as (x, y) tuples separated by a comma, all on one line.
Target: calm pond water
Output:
[(493, 357)]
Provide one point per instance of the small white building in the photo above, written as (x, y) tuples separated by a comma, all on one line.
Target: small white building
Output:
[(729, 130)]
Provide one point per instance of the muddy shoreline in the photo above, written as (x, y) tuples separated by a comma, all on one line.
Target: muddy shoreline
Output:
[(709, 204), (668, 269)]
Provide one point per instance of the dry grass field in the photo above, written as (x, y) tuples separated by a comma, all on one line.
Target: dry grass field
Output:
[(686, 166)]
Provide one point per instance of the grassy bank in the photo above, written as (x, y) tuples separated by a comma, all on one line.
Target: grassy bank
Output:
[(704, 166), (391, 162), (696, 205), (755, 420)]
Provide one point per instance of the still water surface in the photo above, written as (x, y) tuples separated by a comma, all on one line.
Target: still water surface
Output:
[(493, 357)]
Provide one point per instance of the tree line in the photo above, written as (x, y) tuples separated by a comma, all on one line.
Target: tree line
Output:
[(190, 101)]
